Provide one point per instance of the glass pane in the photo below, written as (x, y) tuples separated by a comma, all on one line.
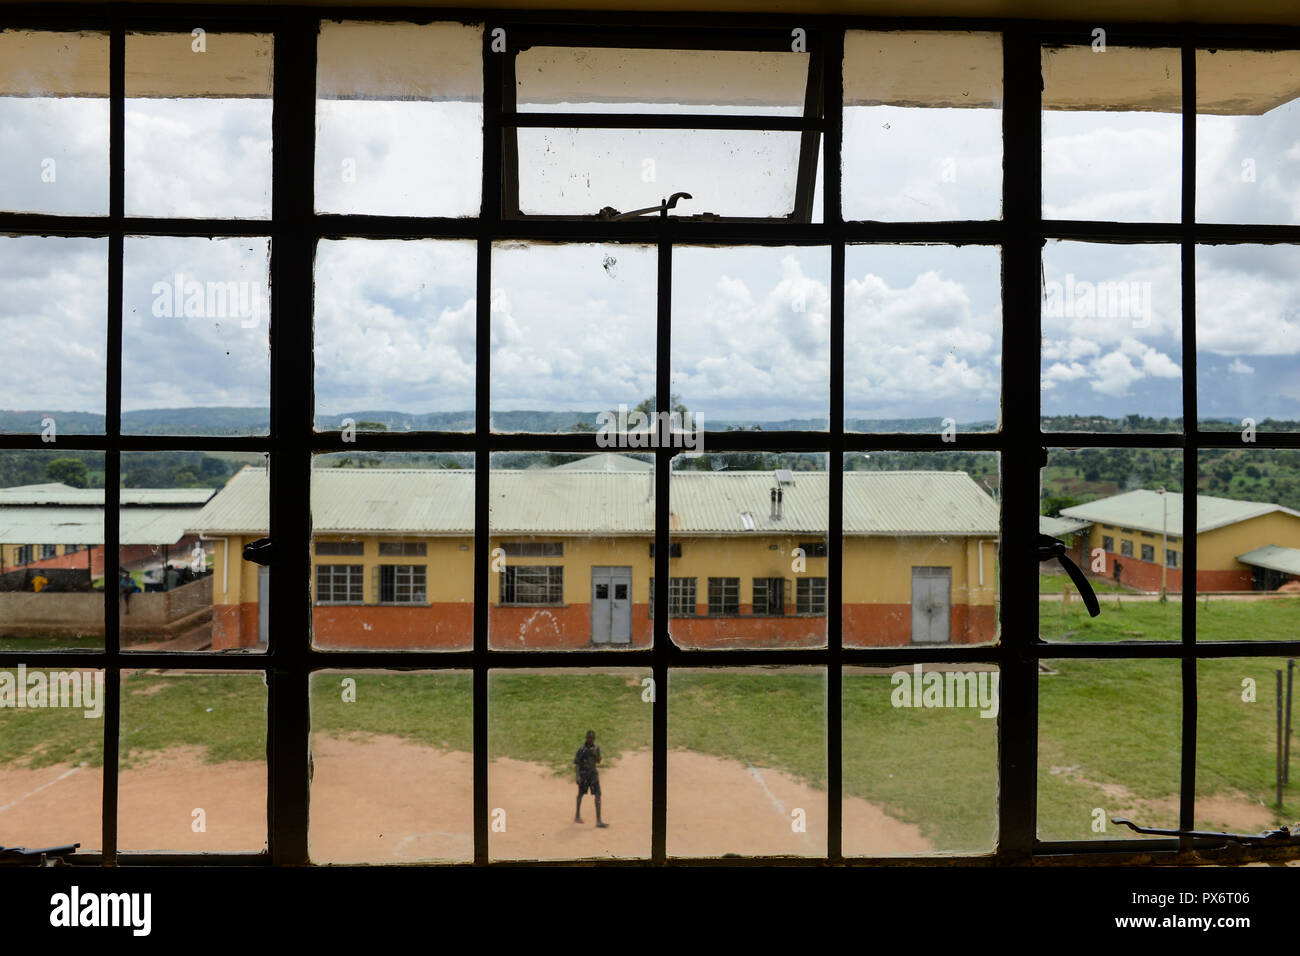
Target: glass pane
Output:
[(747, 762), (399, 119), (167, 585), (237, 515), (53, 302), (1112, 133), (1248, 545), (1247, 152), (920, 763), (51, 757), (577, 740), (392, 767), (192, 767), (580, 172), (198, 124), (1248, 337), (920, 548), (394, 335), (54, 122), (1120, 513), (51, 550), (922, 338), (562, 526), (196, 356), (751, 336), (573, 334), (1109, 737), (922, 126), (606, 80), (1112, 337), (749, 560), (393, 551), (1245, 749)]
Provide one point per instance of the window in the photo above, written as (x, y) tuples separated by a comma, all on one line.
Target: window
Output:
[(533, 549), (25, 554), (402, 549), (1107, 544), (71, 548), (340, 584), (1126, 548), (1171, 558), (542, 584), (769, 595), (681, 597), (813, 549), (351, 548), (724, 595), (1148, 552), (810, 596), (49, 551), (401, 583), (674, 549)]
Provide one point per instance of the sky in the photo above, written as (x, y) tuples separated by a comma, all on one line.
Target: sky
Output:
[(573, 327)]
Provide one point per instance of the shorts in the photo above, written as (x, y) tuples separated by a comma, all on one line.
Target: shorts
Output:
[(591, 783)]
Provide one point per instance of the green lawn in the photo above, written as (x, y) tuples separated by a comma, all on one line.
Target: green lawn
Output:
[(1056, 583), (1131, 620)]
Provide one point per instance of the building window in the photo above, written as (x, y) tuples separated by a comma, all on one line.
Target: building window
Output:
[(340, 584), (401, 584), (1148, 552), (25, 554), (345, 548), (1126, 548), (813, 549), (810, 596), (681, 597), (1108, 544), (769, 595), (532, 549), (402, 549), (536, 584), (1171, 559), (724, 595), (71, 548), (49, 551), (674, 550)]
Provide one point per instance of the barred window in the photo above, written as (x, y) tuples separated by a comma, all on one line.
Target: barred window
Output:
[(403, 549), (1148, 552), (681, 597), (810, 596), (1126, 548), (724, 595), (1108, 544), (340, 584), (401, 584), (537, 584), (348, 548), (769, 595), (532, 549), (813, 549)]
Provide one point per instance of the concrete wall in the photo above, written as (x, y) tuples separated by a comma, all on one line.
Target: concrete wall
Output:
[(62, 613)]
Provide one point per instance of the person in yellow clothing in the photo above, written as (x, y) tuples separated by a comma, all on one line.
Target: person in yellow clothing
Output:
[(39, 582)]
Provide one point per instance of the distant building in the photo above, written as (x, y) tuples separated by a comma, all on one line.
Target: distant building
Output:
[(1240, 545), (572, 557)]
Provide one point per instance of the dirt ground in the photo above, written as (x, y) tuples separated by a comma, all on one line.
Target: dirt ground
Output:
[(362, 811)]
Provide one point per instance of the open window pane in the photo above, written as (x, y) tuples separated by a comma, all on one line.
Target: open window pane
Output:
[(922, 126), (198, 125), (399, 119), (54, 122)]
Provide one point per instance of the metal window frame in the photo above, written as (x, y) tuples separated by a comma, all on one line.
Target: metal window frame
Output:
[(295, 228), (349, 571)]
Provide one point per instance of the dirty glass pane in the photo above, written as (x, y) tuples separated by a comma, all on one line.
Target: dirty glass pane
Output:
[(747, 761), (184, 584), (1120, 513), (601, 80), (392, 767), (54, 122), (922, 126), (1247, 150), (920, 759), (192, 767), (573, 336), (196, 321), (1248, 337), (920, 548), (51, 550), (751, 336), (1112, 337), (393, 551), (1112, 133), (52, 757), (53, 300), (749, 565), (579, 172), (1109, 745), (922, 338), (553, 797), (399, 119), (198, 124), (394, 335), (570, 560)]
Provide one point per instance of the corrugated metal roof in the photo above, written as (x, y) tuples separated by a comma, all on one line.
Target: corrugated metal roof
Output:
[(1274, 557), (606, 461), (1059, 526), (55, 524), (556, 501), (1145, 511), (53, 493)]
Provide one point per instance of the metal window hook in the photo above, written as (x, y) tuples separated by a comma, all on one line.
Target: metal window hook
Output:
[(609, 212)]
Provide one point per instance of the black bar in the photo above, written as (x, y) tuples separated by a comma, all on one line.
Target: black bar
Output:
[(663, 647), (664, 121)]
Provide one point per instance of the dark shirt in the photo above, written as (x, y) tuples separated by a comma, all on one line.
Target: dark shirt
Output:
[(585, 760)]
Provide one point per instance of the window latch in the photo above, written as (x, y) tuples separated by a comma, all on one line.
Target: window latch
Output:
[(1281, 836), (43, 856), (610, 213), (259, 551), (1048, 548)]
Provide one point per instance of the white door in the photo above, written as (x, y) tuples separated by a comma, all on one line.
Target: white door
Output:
[(931, 605), (611, 605)]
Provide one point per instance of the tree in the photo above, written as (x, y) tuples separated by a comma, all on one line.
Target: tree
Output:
[(69, 471)]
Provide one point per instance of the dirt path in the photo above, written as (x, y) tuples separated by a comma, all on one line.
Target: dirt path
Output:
[(362, 810)]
